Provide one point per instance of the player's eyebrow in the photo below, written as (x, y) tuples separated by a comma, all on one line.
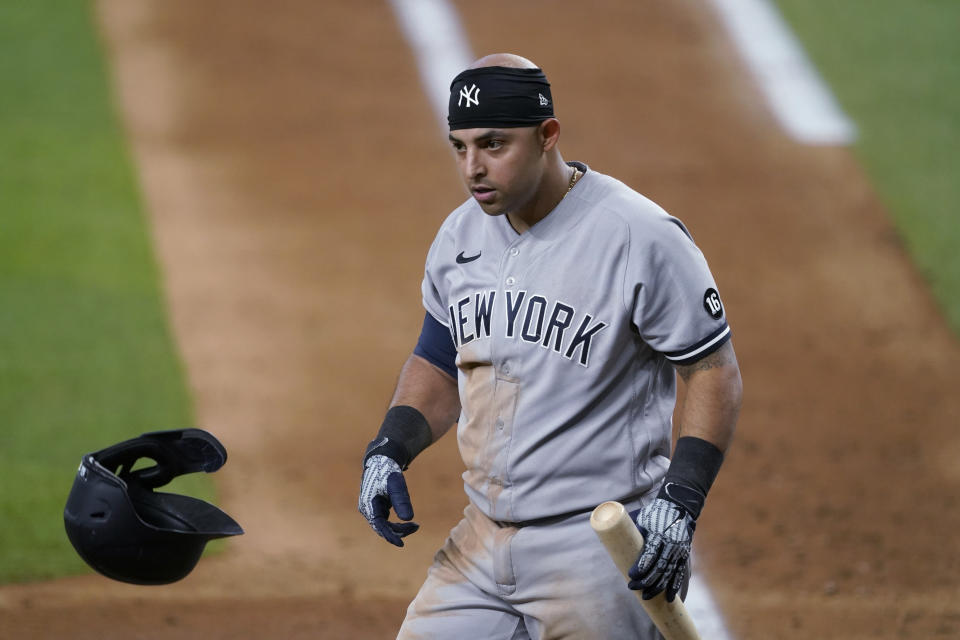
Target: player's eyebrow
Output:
[(489, 135), (483, 137)]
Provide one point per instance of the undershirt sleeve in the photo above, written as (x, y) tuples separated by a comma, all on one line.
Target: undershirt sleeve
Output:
[(436, 346)]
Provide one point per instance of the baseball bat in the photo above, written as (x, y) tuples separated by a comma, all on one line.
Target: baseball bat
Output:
[(624, 542)]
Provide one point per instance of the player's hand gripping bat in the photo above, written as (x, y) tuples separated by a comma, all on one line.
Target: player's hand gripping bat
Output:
[(624, 543)]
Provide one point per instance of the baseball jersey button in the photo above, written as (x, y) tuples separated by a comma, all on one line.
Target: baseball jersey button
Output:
[(511, 281), (514, 251), (500, 425)]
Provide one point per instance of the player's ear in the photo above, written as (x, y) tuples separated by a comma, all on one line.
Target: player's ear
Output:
[(549, 133)]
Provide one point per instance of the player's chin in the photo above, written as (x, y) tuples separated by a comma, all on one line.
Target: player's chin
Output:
[(493, 207), (492, 211)]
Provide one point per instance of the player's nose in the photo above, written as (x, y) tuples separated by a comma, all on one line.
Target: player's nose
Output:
[(473, 165)]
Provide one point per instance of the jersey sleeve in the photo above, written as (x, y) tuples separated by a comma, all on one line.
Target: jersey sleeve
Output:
[(671, 294), (434, 300)]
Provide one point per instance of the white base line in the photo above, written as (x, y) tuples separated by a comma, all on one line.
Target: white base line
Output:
[(796, 94), (432, 28)]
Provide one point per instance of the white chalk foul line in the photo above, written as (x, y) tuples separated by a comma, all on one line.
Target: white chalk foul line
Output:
[(434, 32), (432, 28), (798, 97), (703, 610)]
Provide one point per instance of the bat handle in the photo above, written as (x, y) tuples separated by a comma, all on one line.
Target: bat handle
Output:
[(624, 542)]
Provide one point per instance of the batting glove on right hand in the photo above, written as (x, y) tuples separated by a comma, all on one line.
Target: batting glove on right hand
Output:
[(667, 531), (383, 486)]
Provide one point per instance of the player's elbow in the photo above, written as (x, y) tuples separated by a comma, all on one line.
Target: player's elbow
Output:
[(730, 389), (734, 387)]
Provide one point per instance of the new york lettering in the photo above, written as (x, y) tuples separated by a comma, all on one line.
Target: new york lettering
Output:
[(531, 318)]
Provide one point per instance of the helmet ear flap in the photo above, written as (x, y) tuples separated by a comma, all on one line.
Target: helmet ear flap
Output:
[(176, 453), (124, 529), (120, 460)]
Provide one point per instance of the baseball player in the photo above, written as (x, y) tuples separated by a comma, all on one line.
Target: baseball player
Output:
[(560, 304)]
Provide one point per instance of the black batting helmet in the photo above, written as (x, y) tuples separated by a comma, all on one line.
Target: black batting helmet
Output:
[(124, 529)]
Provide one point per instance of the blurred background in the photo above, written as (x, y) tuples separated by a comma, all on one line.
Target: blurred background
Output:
[(216, 214)]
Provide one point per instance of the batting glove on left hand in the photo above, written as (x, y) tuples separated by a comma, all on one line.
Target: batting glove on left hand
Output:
[(667, 531), (383, 486)]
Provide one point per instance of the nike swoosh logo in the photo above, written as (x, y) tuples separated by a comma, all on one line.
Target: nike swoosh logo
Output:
[(461, 259)]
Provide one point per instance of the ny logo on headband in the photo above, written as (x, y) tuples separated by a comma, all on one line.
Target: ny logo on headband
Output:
[(472, 95)]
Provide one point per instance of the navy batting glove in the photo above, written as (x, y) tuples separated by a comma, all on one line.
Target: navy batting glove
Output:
[(667, 531), (383, 487)]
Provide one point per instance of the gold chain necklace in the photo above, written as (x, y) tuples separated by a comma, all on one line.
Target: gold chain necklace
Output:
[(573, 179)]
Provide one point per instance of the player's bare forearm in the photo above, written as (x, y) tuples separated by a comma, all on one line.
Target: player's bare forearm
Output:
[(707, 421), (714, 393), (423, 407), (429, 390)]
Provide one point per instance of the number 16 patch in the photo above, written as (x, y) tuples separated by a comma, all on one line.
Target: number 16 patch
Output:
[(711, 302)]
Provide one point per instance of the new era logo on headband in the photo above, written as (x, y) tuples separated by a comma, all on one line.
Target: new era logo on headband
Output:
[(472, 95)]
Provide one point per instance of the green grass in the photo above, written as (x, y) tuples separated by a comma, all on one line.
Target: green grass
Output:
[(86, 357), (895, 68)]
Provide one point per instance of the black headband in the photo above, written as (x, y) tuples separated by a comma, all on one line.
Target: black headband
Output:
[(499, 97)]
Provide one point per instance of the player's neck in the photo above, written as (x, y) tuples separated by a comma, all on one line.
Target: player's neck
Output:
[(555, 185)]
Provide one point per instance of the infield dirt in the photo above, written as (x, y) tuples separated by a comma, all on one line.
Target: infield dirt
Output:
[(295, 176)]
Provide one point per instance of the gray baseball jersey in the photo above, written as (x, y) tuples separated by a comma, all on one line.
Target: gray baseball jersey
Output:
[(565, 339)]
